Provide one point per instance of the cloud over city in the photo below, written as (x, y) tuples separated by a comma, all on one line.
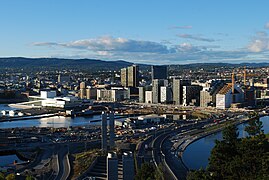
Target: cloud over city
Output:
[(195, 37), (146, 51), (181, 27), (111, 44), (266, 26), (259, 43)]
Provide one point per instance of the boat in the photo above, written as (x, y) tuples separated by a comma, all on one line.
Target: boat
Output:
[(87, 112)]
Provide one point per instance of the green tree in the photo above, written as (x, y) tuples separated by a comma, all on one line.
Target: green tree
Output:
[(199, 174), (11, 177), (230, 135), (146, 172), (2, 176), (29, 177), (159, 173), (233, 158), (254, 127)]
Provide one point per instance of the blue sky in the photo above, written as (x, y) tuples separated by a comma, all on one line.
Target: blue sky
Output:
[(155, 32)]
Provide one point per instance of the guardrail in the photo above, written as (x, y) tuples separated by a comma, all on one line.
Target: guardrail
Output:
[(68, 165), (164, 159), (57, 166)]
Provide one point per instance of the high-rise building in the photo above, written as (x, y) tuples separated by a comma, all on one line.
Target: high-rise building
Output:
[(191, 95), (128, 166), (129, 76), (91, 93), (166, 94), (156, 89), (133, 72), (104, 131), (141, 94), (159, 72), (206, 98), (178, 88), (111, 130), (112, 166), (124, 77), (208, 94)]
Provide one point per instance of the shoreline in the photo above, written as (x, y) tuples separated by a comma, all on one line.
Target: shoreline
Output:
[(10, 119), (208, 134)]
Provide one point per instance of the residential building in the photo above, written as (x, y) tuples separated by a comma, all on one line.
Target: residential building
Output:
[(124, 77), (133, 72), (166, 94), (91, 93), (178, 88), (191, 95), (113, 95), (130, 76), (141, 94), (156, 89), (148, 97)]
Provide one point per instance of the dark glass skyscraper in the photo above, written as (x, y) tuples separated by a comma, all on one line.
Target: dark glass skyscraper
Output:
[(159, 72)]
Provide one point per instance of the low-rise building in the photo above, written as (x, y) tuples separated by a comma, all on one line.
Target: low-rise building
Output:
[(150, 119), (114, 94), (47, 94), (226, 97), (148, 96), (62, 102)]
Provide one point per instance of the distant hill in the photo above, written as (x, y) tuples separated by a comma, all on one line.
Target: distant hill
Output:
[(57, 63), (211, 66), (94, 64)]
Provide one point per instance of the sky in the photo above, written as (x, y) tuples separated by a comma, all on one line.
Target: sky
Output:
[(140, 31)]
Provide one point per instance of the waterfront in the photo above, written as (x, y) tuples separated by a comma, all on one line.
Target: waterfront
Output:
[(54, 121), (6, 107), (8, 160), (196, 154)]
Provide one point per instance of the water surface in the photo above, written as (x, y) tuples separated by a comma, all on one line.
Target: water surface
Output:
[(196, 154)]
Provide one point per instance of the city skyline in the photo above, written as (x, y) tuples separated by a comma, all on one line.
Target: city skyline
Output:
[(178, 32)]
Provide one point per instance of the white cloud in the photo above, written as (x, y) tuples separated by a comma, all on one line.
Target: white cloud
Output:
[(195, 37), (266, 26), (181, 27), (110, 44), (110, 48), (259, 43)]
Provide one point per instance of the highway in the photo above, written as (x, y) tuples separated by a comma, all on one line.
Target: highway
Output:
[(64, 170), (156, 153)]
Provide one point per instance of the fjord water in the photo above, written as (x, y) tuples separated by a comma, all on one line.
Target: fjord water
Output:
[(8, 160), (55, 121), (196, 154)]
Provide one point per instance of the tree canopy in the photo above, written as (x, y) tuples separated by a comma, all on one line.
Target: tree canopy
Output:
[(238, 158)]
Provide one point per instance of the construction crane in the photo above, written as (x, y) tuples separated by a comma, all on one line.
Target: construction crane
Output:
[(246, 75)]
